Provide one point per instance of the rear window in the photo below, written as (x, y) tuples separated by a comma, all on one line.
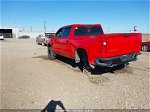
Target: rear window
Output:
[(88, 30)]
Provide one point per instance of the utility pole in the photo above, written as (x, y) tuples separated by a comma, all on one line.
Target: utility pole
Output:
[(31, 28), (15, 23), (148, 29), (108, 29), (23, 29), (44, 27)]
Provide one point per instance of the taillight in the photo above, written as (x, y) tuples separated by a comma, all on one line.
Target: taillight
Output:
[(104, 43), (103, 47)]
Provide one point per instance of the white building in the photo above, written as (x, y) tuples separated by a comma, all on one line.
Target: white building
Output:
[(15, 32), (9, 31)]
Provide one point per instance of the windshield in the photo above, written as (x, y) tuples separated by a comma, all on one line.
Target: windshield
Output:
[(88, 30)]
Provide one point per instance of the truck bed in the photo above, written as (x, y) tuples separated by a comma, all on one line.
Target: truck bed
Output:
[(120, 44)]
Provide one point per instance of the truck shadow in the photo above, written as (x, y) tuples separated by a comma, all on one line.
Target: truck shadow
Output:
[(51, 106), (71, 62), (96, 71), (102, 70)]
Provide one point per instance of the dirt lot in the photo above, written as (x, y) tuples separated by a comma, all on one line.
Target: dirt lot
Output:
[(30, 81), (146, 37)]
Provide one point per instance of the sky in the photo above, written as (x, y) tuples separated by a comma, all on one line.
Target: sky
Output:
[(114, 16)]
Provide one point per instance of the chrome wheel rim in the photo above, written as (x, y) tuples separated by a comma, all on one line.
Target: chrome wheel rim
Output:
[(144, 48)]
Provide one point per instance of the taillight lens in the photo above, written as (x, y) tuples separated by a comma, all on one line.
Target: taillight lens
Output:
[(104, 43), (103, 47)]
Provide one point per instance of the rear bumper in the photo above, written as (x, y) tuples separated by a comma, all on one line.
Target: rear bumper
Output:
[(114, 61)]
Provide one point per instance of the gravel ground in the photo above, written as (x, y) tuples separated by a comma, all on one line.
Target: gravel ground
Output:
[(30, 81)]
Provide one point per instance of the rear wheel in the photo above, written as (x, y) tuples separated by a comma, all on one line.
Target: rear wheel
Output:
[(51, 55), (83, 60), (144, 48)]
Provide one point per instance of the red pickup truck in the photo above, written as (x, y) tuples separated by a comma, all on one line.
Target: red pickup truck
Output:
[(89, 44)]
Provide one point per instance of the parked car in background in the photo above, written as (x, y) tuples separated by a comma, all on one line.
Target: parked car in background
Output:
[(1, 37), (47, 38), (40, 39), (24, 37), (145, 46)]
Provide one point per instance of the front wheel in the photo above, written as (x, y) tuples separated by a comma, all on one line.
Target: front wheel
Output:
[(51, 55), (144, 48), (43, 44)]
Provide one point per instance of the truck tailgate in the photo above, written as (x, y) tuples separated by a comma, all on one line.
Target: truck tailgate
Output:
[(120, 44)]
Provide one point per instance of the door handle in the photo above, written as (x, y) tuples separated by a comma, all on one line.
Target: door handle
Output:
[(67, 40)]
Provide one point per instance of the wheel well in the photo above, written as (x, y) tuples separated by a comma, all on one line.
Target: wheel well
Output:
[(82, 54), (145, 45)]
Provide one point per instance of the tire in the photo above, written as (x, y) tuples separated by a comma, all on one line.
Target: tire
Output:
[(144, 48), (84, 60), (37, 43), (43, 44), (51, 55)]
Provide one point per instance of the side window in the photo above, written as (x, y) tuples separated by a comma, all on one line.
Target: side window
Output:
[(66, 32), (59, 33)]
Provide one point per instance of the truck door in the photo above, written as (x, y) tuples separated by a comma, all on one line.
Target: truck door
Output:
[(64, 42), (55, 42)]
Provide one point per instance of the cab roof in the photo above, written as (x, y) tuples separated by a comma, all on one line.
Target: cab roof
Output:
[(81, 25)]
